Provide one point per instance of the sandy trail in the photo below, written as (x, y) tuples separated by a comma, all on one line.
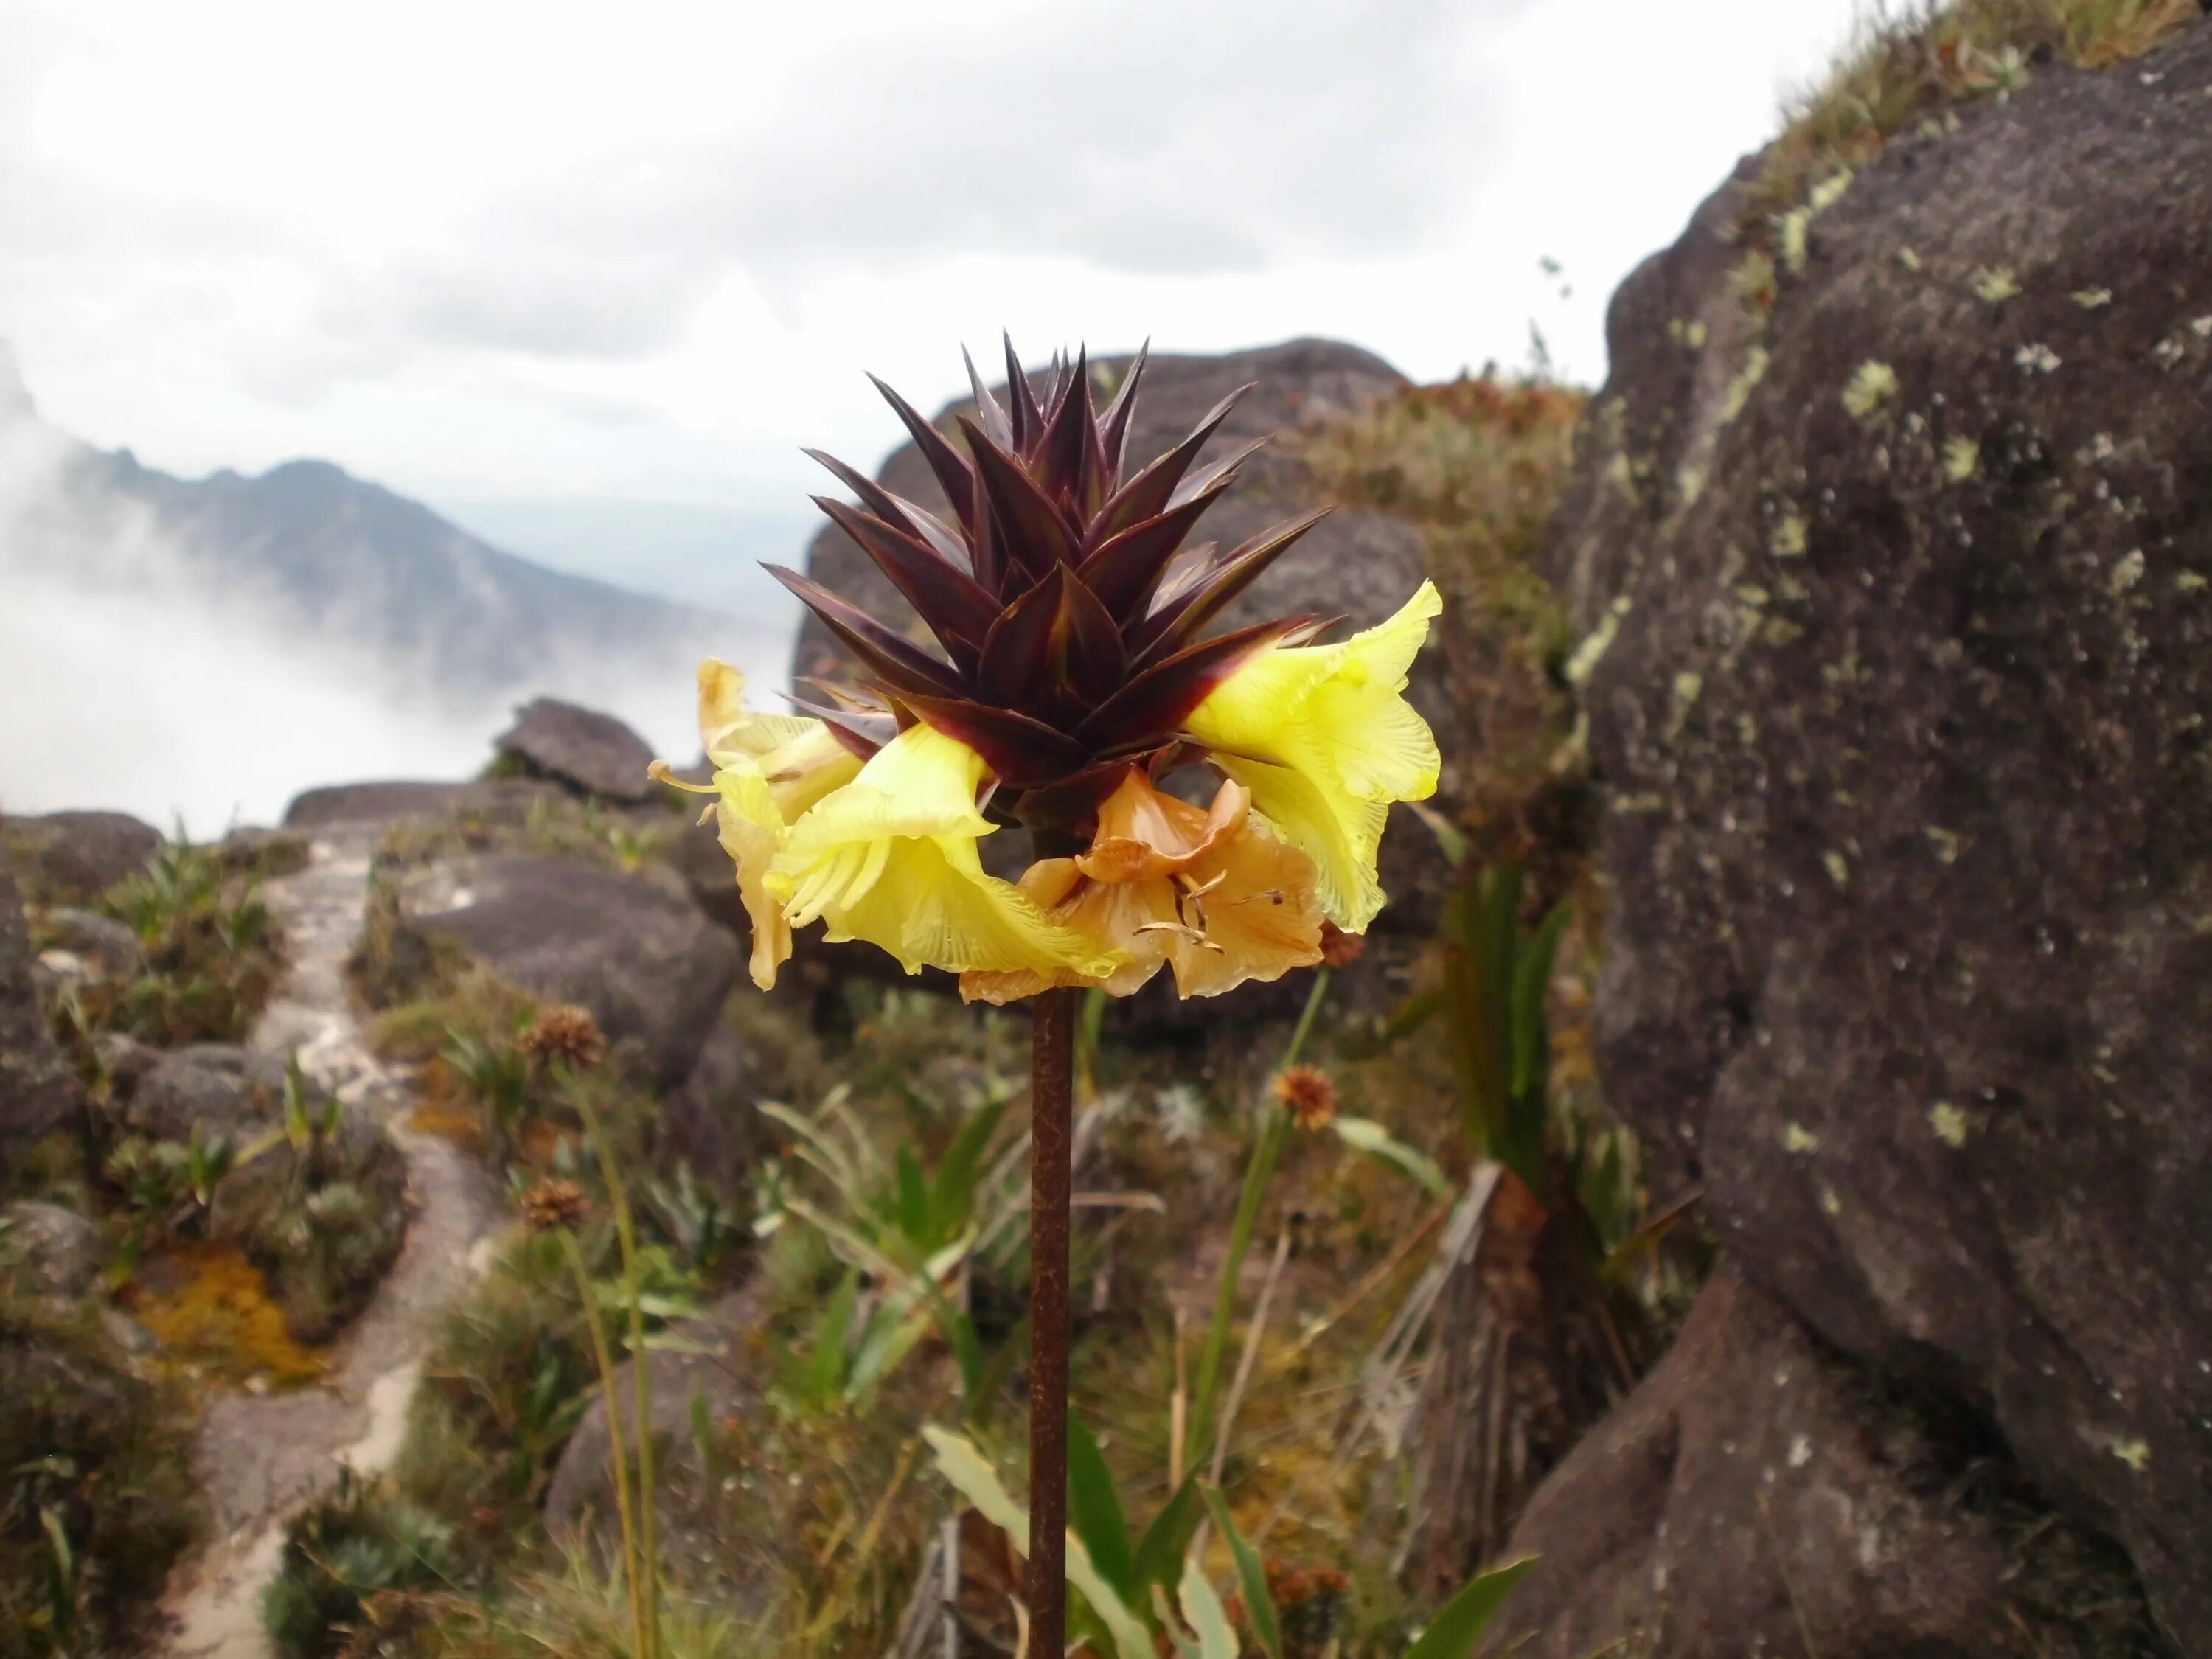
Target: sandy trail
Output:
[(263, 1457)]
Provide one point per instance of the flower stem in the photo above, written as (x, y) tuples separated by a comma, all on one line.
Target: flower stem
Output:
[(1275, 1129), (611, 1395), (1051, 1115)]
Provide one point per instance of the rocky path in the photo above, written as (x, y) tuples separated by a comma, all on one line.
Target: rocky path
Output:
[(264, 1456)]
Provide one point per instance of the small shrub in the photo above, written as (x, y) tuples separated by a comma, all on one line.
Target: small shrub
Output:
[(347, 1559)]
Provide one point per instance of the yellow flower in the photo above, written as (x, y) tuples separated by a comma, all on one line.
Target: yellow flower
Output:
[(1207, 893), (890, 858), (769, 769), (1324, 739)]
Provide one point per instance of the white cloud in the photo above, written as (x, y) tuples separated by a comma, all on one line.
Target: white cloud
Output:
[(439, 243)]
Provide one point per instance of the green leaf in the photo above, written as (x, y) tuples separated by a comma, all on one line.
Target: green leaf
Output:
[(827, 1382), (960, 1462), (1159, 1553), (953, 1200), (913, 1202), (1207, 1617), (1095, 1507), (1461, 1622), (1365, 1135), (1532, 982), (1449, 836), (1258, 1605)]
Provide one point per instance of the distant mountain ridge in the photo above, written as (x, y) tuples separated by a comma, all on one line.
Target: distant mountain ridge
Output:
[(337, 559)]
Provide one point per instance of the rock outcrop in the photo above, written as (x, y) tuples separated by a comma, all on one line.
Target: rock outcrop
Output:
[(72, 857), (1902, 727), (37, 1092), (594, 752), (506, 800), (651, 968)]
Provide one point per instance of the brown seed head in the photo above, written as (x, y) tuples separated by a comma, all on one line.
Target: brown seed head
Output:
[(553, 1203), (567, 1033), (1307, 1094), (1339, 949)]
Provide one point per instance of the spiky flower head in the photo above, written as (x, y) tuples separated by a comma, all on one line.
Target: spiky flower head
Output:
[(1307, 1094), (564, 1033), (1070, 611), (1073, 672), (553, 1203)]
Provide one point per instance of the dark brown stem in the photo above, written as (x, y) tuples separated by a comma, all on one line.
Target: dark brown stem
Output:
[(1052, 1111)]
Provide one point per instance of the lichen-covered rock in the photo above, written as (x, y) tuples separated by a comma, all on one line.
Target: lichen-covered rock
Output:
[(1755, 1495), (595, 752), (95, 946), (72, 857), (653, 969), (38, 1093), (1902, 727)]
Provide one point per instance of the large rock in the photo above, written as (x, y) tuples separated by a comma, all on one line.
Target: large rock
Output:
[(708, 1123), (72, 857), (61, 1251), (1361, 566), (1903, 732), (231, 1091), (502, 800), (1755, 1496), (652, 971), (37, 1092), (595, 752)]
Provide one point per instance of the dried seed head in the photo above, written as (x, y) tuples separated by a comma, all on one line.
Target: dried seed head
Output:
[(555, 1203), (1307, 1094), (566, 1033), (1339, 949)]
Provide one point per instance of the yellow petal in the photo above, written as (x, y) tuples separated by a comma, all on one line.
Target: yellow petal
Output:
[(1340, 834), (751, 829), (1325, 740), (890, 858), (728, 728)]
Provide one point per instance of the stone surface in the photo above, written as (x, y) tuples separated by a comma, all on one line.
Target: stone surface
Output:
[(72, 857), (696, 1511), (1751, 1498), (652, 971), (99, 947), (595, 752), (62, 1250), (1360, 565), (506, 800), (708, 1121), (38, 1093), (1903, 732), (232, 1090)]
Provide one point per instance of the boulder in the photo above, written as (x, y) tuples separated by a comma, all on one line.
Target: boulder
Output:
[(90, 945), (651, 969), (595, 752), (1902, 726), (72, 857), (695, 1514), (708, 1121), (265, 853), (504, 800), (39, 1093), (234, 1090), (62, 1250), (1756, 1495), (1361, 566)]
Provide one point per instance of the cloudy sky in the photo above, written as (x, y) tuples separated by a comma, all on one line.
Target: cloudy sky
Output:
[(526, 255)]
